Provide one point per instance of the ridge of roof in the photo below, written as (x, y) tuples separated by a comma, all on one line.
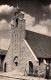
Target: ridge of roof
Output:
[(38, 33)]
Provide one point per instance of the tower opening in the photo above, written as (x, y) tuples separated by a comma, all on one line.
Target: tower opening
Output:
[(17, 22)]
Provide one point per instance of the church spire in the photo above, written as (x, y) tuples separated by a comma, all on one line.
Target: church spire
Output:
[(17, 6), (17, 10)]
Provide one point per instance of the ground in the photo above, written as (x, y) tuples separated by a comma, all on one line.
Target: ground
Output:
[(8, 76)]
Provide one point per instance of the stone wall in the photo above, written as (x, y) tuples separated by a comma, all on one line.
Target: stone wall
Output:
[(17, 34), (24, 57), (8, 60), (42, 70), (19, 48)]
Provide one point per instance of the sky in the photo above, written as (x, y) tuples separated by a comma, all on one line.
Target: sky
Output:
[(36, 12)]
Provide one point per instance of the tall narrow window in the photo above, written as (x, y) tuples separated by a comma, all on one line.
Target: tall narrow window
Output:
[(17, 22)]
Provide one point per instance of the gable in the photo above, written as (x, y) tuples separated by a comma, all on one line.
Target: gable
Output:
[(40, 44)]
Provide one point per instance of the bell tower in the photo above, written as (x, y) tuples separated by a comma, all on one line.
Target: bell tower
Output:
[(17, 31)]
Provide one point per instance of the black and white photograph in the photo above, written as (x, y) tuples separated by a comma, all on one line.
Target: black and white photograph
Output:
[(25, 39)]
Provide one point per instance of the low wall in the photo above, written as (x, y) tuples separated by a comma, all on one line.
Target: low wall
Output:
[(42, 70)]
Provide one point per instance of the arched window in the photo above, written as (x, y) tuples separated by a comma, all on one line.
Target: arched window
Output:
[(30, 67), (15, 60)]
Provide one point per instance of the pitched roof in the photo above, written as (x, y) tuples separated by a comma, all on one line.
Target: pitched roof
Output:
[(40, 44), (3, 52)]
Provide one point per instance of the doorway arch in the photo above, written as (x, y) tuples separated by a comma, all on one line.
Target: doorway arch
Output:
[(5, 67), (30, 67)]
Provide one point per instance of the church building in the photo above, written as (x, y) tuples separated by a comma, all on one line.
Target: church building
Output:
[(28, 51)]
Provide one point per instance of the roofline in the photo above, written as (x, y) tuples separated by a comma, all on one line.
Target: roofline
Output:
[(43, 58), (38, 33)]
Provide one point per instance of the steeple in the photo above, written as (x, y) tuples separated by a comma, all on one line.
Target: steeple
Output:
[(17, 6), (17, 31), (17, 10)]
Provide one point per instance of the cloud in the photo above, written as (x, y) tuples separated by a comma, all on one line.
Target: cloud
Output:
[(3, 25), (30, 21), (11, 22), (47, 8), (4, 34), (4, 43), (49, 33), (40, 29), (46, 23), (4, 29), (43, 27), (6, 9), (6, 12), (50, 6)]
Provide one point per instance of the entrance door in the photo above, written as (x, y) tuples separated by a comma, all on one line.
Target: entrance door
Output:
[(47, 71), (30, 67), (5, 67)]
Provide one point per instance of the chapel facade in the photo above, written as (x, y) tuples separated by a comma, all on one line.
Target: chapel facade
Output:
[(22, 54), (19, 54)]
